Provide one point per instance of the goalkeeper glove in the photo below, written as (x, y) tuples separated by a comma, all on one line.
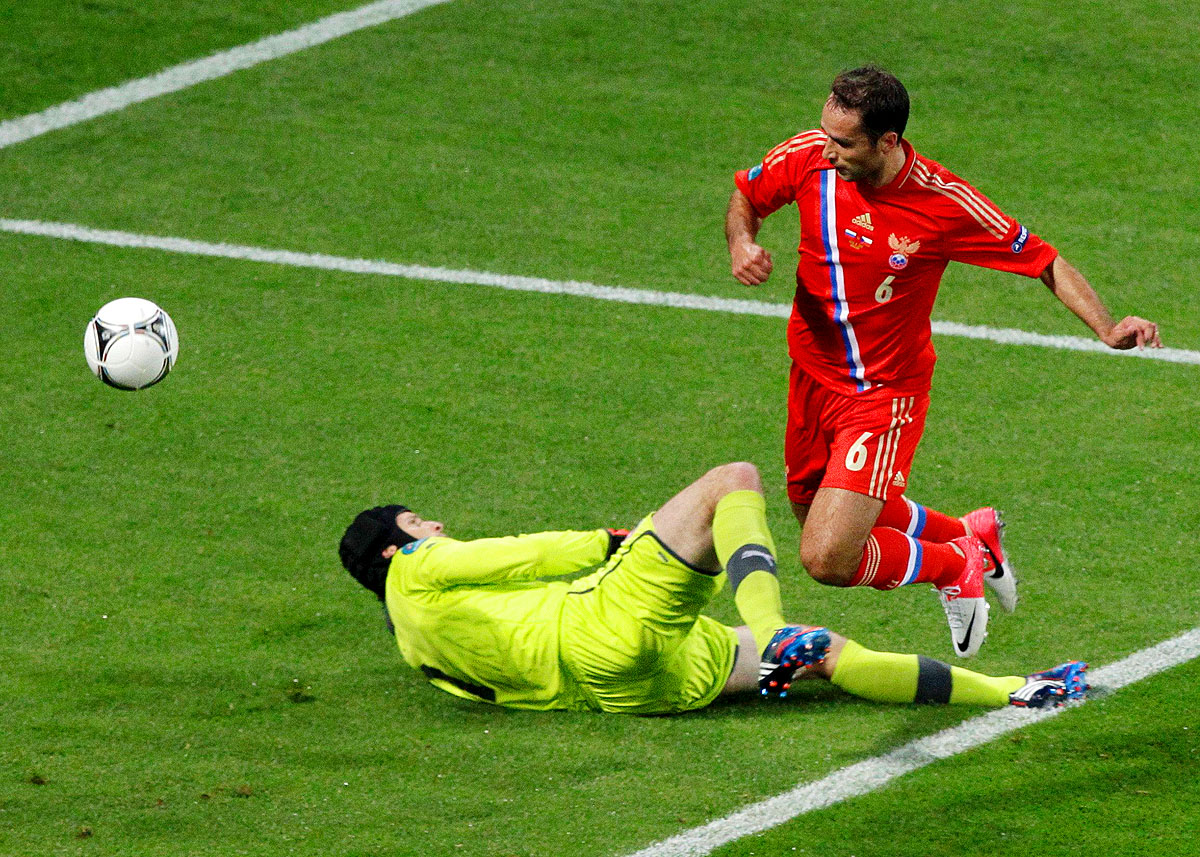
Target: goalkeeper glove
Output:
[(615, 538)]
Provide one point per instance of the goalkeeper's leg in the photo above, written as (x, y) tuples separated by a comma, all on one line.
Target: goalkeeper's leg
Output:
[(885, 676)]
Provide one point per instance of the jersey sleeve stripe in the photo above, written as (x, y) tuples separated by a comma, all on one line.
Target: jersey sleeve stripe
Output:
[(985, 214), (908, 172), (968, 194), (801, 141)]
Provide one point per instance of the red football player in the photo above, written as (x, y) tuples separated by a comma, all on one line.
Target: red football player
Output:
[(878, 225)]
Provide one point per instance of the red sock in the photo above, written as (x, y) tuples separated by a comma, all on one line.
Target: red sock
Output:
[(892, 558), (929, 525)]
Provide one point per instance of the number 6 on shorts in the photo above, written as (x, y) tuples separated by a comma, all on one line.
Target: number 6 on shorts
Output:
[(856, 455)]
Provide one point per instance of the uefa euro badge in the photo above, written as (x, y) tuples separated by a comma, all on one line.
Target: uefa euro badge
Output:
[(902, 248)]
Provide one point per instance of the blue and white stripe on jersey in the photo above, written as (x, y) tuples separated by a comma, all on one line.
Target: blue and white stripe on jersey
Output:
[(837, 278)]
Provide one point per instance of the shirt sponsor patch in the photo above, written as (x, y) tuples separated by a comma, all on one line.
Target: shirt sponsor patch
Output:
[(1022, 237), (754, 173), (411, 547)]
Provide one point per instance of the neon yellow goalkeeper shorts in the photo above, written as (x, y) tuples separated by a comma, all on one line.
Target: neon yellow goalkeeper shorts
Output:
[(632, 636)]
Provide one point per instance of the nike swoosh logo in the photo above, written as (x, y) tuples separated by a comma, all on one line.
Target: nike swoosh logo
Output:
[(963, 644)]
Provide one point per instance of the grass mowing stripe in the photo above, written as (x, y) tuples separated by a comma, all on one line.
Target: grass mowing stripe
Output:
[(871, 774), (1004, 336), (188, 74)]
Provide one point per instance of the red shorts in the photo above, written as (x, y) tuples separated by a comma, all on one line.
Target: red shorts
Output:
[(837, 441)]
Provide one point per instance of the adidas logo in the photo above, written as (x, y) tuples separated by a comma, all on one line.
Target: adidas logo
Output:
[(898, 481), (864, 220)]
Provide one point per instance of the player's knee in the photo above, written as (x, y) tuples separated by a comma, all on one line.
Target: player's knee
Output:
[(737, 476), (827, 566)]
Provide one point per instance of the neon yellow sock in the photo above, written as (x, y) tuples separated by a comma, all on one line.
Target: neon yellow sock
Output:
[(890, 677), (740, 519), (878, 676), (976, 688), (746, 551), (759, 605)]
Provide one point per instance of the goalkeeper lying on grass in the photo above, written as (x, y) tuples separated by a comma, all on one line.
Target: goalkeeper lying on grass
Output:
[(477, 619)]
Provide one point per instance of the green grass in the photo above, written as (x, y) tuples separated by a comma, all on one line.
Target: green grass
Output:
[(55, 52), (585, 144), (1107, 778), (187, 669)]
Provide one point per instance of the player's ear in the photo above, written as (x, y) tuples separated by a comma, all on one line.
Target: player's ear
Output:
[(888, 141)]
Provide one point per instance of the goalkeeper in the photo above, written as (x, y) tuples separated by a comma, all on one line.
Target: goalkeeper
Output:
[(476, 618)]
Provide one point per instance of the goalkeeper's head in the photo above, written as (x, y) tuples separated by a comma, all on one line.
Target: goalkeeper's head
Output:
[(373, 539)]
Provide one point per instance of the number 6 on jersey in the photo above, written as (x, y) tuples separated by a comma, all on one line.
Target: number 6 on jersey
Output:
[(883, 294)]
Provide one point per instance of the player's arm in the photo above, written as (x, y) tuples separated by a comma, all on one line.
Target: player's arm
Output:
[(1069, 286), (974, 235), (751, 263), (758, 192), (510, 558)]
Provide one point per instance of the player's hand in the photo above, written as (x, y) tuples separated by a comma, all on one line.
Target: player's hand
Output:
[(615, 537), (751, 263), (1133, 331)]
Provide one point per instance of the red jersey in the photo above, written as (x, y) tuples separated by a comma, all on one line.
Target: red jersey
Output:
[(871, 261)]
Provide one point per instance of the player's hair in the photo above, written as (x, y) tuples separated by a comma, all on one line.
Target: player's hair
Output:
[(878, 97), (362, 546)]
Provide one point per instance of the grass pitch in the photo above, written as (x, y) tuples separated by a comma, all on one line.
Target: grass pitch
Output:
[(187, 668)]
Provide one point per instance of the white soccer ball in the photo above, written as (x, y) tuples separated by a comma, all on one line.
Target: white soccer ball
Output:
[(130, 344)]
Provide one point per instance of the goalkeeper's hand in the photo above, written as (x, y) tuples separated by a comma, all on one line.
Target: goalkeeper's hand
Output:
[(615, 537)]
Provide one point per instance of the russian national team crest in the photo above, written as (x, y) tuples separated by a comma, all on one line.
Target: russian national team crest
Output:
[(902, 248)]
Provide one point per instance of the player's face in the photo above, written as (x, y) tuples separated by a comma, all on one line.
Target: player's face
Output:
[(415, 526), (849, 149), (418, 527)]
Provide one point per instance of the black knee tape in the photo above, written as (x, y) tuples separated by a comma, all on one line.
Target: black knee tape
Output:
[(933, 681), (747, 559)]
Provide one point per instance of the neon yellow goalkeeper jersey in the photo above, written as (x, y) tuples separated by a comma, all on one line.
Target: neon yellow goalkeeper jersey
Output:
[(475, 619)]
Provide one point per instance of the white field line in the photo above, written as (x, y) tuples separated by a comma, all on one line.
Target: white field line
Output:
[(871, 774), (679, 300), (187, 74)]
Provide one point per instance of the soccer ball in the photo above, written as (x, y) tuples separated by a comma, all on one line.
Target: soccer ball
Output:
[(130, 344)]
